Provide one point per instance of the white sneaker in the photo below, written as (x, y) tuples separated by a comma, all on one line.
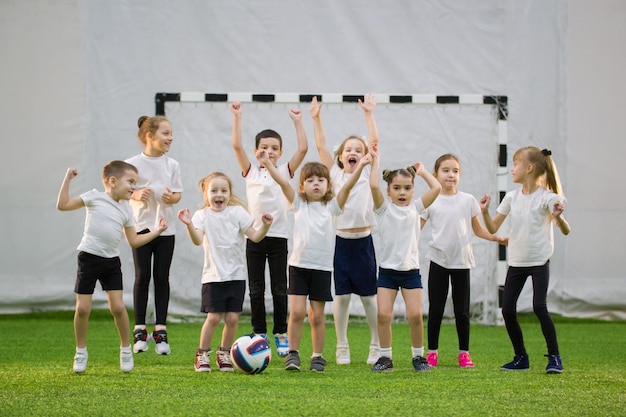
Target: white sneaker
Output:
[(80, 362), (160, 338), (126, 360), (140, 337), (342, 355), (374, 354), (282, 344)]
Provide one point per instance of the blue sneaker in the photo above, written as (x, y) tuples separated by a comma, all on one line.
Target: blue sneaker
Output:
[(519, 363), (282, 344), (264, 336), (555, 366)]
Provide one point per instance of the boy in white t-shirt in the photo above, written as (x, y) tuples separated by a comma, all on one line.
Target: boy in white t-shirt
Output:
[(264, 196), (109, 218)]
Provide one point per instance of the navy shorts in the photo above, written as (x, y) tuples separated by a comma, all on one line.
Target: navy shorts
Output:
[(311, 282), (355, 266), (223, 297), (392, 279), (94, 268)]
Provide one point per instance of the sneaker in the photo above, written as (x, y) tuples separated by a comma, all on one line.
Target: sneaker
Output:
[(126, 360), (140, 343), (223, 360), (519, 363), (318, 364), (282, 344), (160, 338), (433, 359), (420, 364), (383, 364), (80, 362), (292, 361), (555, 366), (374, 355), (202, 361), (342, 355), (465, 360)]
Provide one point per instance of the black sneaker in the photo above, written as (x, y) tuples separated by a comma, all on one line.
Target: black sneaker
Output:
[(420, 364), (160, 338), (519, 363), (140, 340), (383, 364), (292, 361), (555, 366), (318, 364)]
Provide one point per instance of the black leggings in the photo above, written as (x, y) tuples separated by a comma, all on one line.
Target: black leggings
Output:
[(437, 295), (162, 249), (515, 280)]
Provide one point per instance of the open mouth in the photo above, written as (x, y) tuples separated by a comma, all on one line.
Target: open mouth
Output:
[(352, 161)]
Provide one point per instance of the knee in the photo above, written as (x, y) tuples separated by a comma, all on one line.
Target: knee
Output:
[(540, 309), (385, 317), (82, 311), (509, 313), (117, 309)]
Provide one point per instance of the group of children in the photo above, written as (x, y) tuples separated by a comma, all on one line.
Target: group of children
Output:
[(344, 228)]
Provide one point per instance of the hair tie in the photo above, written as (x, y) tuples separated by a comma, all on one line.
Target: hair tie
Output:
[(411, 169), (546, 152)]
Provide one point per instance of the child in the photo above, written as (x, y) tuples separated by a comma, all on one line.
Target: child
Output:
[(264, 195), (220, 227), (108, 218), (452, 215), (533, 207), (159, 187), (310, 264), (398, 231), (354, 262)]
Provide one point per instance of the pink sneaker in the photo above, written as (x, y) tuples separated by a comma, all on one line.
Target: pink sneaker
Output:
[(465, 361), (432, 358)]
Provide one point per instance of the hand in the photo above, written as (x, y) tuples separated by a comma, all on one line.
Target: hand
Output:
[(267, 219), (167, 196), (71, 174), (367, 159), (504, 241), (558, 209), (484, 203), (263, 157), (184, 216), (315, 109), (236, 108), (295, 114), (142, 194), (419, 168), (373, 150), (368, 104), (162, 225)]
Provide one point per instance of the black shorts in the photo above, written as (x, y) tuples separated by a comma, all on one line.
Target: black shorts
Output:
[(223, 297), (93, 268), (311, 282), (392, 279)]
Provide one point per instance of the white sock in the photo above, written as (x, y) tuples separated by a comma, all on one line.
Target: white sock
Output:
[(140, 327), (385, 352), (341, 314), (417, 351), (125, 349), (81, 350), (315, 355), (433, 351), (160, 327)]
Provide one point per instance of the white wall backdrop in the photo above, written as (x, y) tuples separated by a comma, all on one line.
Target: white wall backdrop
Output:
[(76, 75)]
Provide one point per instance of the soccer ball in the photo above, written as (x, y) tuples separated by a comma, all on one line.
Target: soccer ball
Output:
[(251, 354)]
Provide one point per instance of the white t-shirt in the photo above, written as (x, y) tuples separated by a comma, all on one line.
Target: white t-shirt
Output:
[(223, 243), (357, 211), (397, 235), (104, 224), (531, 238), (156, 173), (265, 196), (313, 234), (450, 218)]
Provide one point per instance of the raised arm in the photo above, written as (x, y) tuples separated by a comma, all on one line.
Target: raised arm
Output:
[(257, 235), (196, 235), (492, 224), (64, 202), (559, 219), (288, 190), (303, 146), (368, 105), (244, 163), (135, 240), (377, 194), (320, 139), (434, 186), (344, 193)]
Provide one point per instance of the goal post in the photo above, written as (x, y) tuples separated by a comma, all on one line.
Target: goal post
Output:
[(412, 127)]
